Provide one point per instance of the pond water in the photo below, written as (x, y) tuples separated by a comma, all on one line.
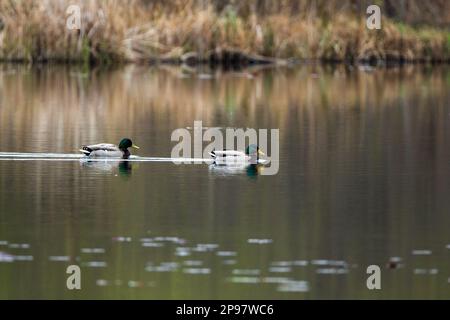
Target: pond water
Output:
[(364, 179)]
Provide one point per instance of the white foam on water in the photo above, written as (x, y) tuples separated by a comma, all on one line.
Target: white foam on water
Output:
[(246, 272), (34, 156), (294, 286), (95, 264), (92, 250), (280, 269), (275, 280), (332, 271), (37, 156), (102, 282), (421, 252), (197, 270), (259, 241), (193, 263), (59, 258), (432, 271), (247, 280), (162, 267), (226, 253)]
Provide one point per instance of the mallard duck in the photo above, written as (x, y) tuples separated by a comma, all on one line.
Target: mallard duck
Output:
[(108, 150), (251, 155)]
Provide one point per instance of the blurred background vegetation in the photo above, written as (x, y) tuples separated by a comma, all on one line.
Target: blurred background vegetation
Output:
[(157, 30)]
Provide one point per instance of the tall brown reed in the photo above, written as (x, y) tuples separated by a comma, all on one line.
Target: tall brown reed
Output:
[(140, 30)]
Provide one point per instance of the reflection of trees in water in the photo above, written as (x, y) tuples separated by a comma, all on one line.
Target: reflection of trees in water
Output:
[(69, 108)]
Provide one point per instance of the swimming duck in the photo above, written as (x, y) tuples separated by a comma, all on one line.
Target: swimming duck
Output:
[(251, 155), (108, 150)]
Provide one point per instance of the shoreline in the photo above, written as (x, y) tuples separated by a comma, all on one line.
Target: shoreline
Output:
[(199, 35), (230, 65)]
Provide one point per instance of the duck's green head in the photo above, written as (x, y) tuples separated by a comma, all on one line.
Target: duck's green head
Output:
[(253, 149), (126, 143)]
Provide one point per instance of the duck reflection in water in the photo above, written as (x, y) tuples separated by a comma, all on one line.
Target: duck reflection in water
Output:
[(123, 168), (251, 170), (229, 162)]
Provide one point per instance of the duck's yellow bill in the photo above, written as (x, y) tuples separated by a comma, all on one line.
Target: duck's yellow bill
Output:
[(261, 153), (135, 146)]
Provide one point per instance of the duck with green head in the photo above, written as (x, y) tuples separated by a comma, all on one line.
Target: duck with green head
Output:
[(108, 150), (251, 155)]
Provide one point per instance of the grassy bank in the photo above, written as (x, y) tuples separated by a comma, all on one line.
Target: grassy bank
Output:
[(139, 30)]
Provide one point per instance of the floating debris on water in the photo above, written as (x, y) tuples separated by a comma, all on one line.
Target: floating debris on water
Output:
[(333, 263), (395, 259), (229, 262), (19, 245), (447, 246), (294, 286), (259, 241), (202, 247), (394, 263), (23, 258), (332, 271), (295, 263), (319, 262), (193, 263), (275, 279), (183, 251), (92, 250), (246, 272), (135, 284), (175, 240), (122, 239), (95, 264), (152, 244), (59, 258), (102, 282), (250, 280), (280, 269), (162, 267), (282, 263), (421, 252), (197, 270), (432, 271), (3, 243), (6, 257), (226, 253)]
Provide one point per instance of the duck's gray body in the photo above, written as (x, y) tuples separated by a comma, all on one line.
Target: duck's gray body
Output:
[(104, 150), (233, 157), (230, 155), (109, 150)]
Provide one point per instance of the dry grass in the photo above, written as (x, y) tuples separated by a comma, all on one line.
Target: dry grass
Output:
[(135, 30)]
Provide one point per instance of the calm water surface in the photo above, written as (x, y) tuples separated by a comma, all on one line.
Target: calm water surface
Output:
[(364, 178)]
